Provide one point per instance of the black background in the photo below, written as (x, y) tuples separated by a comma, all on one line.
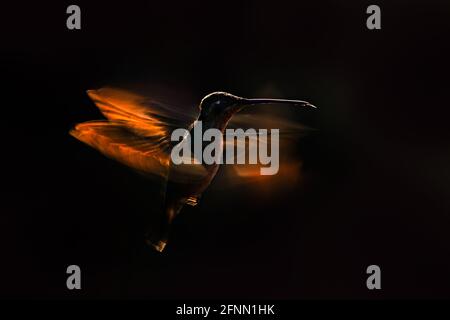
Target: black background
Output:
[(375, 186)]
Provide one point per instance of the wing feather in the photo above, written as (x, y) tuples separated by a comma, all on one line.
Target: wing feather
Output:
[(137, 132), (114, 140)]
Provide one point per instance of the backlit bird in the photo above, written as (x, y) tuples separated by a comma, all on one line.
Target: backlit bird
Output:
[(137, 133)]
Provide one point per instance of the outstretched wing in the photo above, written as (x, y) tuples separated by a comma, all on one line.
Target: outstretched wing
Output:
[(138, 131), (115, 140), (141, 115)]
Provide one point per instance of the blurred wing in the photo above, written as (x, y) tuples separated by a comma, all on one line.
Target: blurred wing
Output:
[(141, 115), (289, 133), (116, 141), (268, 121), (137, 133)]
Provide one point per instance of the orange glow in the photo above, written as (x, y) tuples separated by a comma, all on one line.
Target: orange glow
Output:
[(287, 172), (115, 142), (136, 134)]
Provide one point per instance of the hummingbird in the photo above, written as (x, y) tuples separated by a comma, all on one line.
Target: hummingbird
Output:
[(137, 133)]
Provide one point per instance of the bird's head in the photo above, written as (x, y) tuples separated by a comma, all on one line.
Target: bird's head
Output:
[(219, 104), (217, 108)]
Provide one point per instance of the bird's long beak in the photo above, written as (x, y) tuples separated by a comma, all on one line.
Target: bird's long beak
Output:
[(248, 102)]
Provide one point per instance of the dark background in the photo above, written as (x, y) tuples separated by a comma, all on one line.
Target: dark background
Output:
[(375, 181)]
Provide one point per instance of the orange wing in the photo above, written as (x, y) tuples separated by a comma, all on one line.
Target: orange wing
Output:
[(116, 141), (137, 133)]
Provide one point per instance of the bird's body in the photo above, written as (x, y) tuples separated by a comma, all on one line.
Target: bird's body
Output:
[(139, 137)]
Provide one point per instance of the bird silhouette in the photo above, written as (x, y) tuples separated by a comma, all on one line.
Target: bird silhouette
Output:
[(137, 133)]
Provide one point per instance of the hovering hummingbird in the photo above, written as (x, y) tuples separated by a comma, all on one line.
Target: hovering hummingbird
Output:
[(139, 136)]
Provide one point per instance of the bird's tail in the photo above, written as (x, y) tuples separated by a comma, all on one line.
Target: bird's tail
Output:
[(158, 235)]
